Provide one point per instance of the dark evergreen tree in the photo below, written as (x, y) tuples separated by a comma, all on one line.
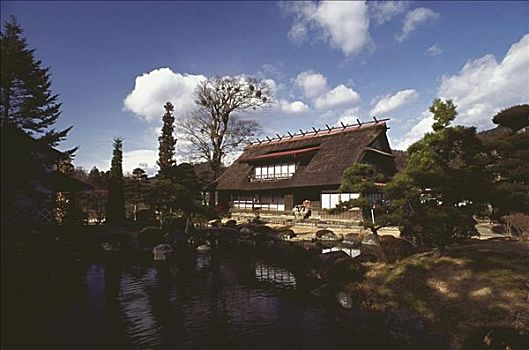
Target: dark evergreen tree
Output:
[(376, 211), (26, 100), (116, 202), (444, 113), (509, 160), (167, 141), (177, 194), (445, 183), (136, 187), (515, 117)]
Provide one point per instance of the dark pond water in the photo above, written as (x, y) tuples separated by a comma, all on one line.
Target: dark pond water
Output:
[(215, 300)]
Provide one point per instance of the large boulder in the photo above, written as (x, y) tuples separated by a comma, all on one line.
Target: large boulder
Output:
[(334, 266), (396, 248), (214, 223), (161, 252), (284, 235), (263, 230), (371, 239), (258, 232), (203, 248), (352, 240), (150, 237), (326, 235), (344, 299), (198, 236), (223, 234), (246, 231), (231, 223), (371, 254), (176, 238)]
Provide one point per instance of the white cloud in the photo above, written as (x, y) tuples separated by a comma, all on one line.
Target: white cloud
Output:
[(295, 107), (339, 96), (311, 84), (384, 11), (270, 71), (142, 158), (298, 33), (390, 103), (152, 90), (483, 86), (480, 89), (315, 86), (414, 19), (342, 24), (434, 50), (272, 85), (349, 116), (416, 132)]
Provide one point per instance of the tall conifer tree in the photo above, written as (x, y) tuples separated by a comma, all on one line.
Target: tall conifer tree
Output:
[(167, 141), (26, 100), (116, 201)]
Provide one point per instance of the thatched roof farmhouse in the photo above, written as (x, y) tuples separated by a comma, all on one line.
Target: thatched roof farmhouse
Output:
[(277, 174)]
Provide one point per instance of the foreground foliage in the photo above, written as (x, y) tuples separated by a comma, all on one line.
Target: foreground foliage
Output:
[(475, 287)]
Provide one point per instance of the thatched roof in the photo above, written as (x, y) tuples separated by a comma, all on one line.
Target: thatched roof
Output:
[(64, 183), (322, 157)]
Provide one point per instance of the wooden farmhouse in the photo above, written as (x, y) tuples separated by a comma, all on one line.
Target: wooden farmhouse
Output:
[(277, 174)]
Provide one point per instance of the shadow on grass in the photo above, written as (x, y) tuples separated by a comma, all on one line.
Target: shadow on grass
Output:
[(473, 289)]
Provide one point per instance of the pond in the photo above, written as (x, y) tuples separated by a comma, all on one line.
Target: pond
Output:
[(220, 299)]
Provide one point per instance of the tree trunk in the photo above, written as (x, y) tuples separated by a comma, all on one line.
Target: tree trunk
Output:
[(188, 221), (380, 250), (215, 168)]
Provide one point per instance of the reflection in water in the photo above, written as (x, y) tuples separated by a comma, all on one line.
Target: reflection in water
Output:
[(203, 260), (202, 301), (136, 308), (275, 275)]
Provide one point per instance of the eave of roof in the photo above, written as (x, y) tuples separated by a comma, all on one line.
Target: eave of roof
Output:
[(282, 154), (63, 183), (379, 151)]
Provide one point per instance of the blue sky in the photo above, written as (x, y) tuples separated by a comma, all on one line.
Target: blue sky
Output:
[(114, 64)]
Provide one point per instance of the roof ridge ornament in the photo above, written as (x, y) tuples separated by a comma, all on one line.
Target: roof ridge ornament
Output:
[(315, 131)]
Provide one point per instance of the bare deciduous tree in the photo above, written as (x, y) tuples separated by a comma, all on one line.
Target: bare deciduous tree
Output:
[(196, 132), (213, 130)]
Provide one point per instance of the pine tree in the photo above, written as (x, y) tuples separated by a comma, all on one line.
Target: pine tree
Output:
[(26, 100), (445, 184), (167, 141), (136, 187), (116, 201), (508, 152)]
